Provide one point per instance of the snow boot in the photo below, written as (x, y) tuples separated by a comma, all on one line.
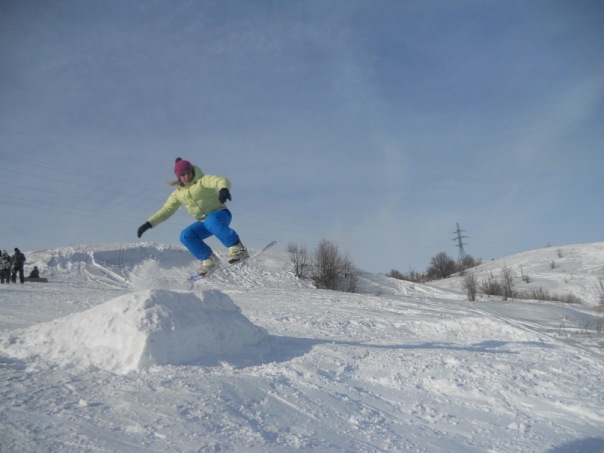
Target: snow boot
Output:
[(207, 266), (237, 252)]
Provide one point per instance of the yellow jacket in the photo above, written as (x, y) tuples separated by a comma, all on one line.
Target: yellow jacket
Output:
[(200, 197)]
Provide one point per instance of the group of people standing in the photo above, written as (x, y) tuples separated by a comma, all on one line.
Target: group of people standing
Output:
[(11, 266)]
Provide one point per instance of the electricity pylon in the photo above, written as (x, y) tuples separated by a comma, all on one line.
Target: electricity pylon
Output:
[(459, 238)]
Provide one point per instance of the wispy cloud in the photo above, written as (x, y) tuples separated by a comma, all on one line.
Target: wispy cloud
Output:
[(376, 124)]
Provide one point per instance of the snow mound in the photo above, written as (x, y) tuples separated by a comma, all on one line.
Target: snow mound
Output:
[(136, 331)]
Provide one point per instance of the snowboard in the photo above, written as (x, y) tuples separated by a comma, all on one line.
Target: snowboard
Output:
[(195, 277)]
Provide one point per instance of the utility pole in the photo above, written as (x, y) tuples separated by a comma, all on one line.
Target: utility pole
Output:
[(459, 238)]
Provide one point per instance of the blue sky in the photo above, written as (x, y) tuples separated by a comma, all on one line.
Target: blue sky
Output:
[(377, 125)]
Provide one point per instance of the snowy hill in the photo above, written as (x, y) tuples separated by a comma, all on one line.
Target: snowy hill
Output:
[(116, 353), (572, 269), (148, 265)]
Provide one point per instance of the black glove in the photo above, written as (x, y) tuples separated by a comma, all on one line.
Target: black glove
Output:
[(224, 195), (144, 227)]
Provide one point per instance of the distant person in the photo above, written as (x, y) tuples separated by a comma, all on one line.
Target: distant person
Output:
[(6, 264), (204, 197), (18, 263), (35, 273)]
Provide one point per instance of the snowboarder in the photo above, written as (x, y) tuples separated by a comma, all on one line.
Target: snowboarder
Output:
[(204, 196), (18, 262)]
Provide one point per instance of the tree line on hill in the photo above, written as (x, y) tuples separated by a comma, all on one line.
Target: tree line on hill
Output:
[(441, 266), (329, 268)]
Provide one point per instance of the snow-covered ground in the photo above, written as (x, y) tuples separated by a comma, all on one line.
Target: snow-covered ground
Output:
[(116, 353)]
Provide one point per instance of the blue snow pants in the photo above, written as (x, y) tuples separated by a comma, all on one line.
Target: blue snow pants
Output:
[(215, 224)]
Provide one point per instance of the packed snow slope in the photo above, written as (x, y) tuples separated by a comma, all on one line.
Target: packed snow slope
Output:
[(117, 353)]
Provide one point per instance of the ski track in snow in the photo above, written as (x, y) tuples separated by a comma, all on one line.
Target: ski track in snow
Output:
[(400, 367)]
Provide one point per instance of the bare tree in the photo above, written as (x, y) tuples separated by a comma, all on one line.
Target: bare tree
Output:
[(441, 266), (525, 277), (332, 270), (491, 286), (470, 284), (395, 274), (507, 282), (412, 276), (299, 259), (349, 278), (325, 265), (468, 262)]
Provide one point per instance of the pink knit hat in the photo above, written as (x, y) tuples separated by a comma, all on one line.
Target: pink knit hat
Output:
[(181, 165)]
